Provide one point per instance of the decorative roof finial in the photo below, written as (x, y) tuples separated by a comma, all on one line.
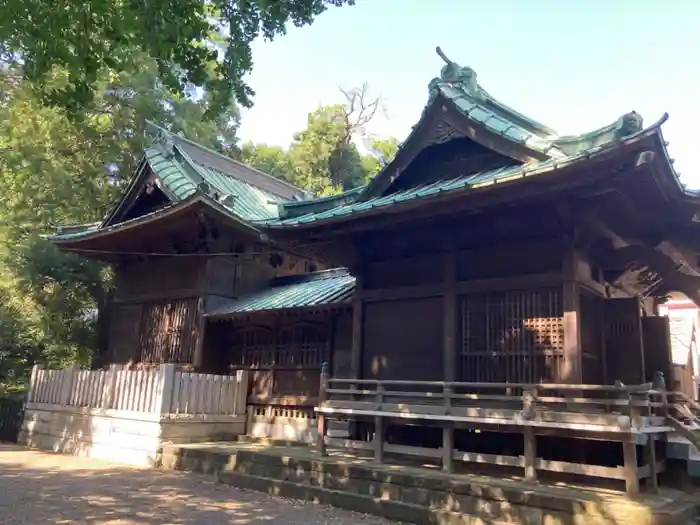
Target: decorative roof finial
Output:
[(442, 55), (455, 74)]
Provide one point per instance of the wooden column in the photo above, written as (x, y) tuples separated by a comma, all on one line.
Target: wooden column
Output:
[(358, 315), (650, 459), (571, 371), (629, 449), (449, 316), (357, 326)]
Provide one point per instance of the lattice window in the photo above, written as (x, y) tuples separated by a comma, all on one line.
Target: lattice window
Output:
[(256, 347), (297, 346), (512, 336), (303, 345)]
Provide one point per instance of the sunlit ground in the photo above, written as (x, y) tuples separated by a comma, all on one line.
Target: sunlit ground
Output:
[(40, 488)]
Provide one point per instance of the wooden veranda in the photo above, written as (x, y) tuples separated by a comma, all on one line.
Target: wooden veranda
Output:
[(615, 422)]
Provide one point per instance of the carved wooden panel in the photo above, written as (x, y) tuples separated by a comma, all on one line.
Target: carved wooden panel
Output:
[(513, 336)]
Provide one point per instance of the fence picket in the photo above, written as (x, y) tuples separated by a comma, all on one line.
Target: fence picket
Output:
[(163, 389)]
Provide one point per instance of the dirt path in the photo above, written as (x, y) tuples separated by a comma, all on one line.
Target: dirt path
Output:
[(39, 488)]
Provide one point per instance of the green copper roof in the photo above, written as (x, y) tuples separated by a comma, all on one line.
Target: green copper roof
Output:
[(463, 183), (298, 291), (181, 177), (73, 234), (459, 85)]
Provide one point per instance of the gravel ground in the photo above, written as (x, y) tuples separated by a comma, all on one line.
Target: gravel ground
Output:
[(41, 488)]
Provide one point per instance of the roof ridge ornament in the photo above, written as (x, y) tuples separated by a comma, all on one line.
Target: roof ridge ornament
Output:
[(628, 124), (465, 76)]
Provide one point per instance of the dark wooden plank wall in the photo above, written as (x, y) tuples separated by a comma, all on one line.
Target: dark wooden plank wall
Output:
[(623, 341), (403, 340), (159, 279), (656, 336), (493, 313)]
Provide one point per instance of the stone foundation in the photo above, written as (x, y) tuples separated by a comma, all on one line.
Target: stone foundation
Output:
[(134, 438)]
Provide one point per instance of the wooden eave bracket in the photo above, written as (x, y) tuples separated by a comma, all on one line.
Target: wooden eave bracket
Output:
[(665, 259)]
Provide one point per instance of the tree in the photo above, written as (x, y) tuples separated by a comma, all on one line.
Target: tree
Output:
[(323, 158), (272, 160), (58, 170), (209, 42), (382, 152)]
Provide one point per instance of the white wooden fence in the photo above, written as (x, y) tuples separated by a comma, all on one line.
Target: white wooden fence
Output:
[(162, 390)]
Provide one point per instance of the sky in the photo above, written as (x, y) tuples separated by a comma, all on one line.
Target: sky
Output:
[(574, 65)]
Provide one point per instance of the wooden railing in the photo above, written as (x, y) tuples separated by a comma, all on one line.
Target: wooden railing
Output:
[(631, 415), (161, 390)]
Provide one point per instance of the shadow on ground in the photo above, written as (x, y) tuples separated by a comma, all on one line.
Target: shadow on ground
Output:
[(57, 489)]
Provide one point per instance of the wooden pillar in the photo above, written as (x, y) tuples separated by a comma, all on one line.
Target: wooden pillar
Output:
[(378, 443), (357, 327), (321, 422), (530, 439), (650, 459), (572, 364), (358, 316), (449, 316), (448, 431), (629, 450)]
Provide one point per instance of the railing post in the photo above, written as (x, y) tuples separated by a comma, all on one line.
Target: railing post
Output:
[(321, 423), (379, 426), (530, 440), (240, 400), (31, 394), (110, 387), (448, 437), (166, 380), (67, 384)]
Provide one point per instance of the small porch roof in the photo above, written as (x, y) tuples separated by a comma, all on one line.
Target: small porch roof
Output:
[(319, 289)]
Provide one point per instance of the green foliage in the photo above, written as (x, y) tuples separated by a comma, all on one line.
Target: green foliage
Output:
[(382, 153), (58, 170), (322, 159), (272, 160), (208, 41)]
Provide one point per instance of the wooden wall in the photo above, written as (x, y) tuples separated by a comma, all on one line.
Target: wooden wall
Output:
[(158, 304), (493, 312)]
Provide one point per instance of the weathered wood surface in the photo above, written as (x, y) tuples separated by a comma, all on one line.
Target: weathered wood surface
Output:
[(160, 390), (630, 415)]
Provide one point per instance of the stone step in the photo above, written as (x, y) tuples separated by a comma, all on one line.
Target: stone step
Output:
[(419, 495), (393, 510)]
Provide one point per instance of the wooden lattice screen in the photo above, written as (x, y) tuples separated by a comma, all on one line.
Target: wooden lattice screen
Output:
[(168, 331), (285, 362), (513, 336)]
